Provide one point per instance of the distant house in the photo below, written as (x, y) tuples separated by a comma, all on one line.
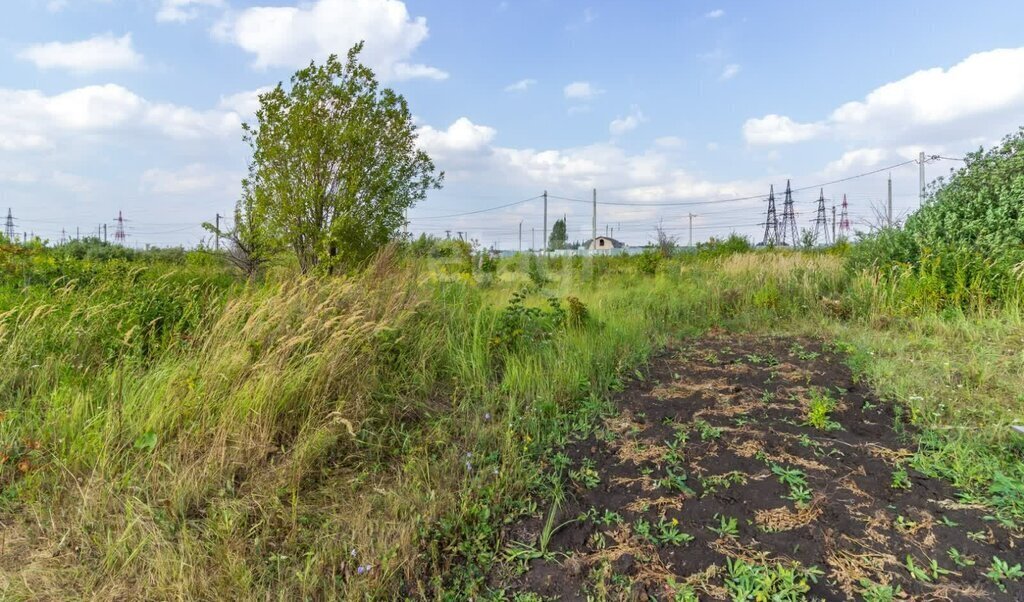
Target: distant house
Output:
[(603, 243)]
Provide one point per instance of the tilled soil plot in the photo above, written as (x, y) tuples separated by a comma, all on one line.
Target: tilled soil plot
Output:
[(747, 465)]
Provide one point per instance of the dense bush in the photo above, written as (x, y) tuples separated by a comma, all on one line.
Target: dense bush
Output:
[(715, 247), (965, 247), (981, 206)]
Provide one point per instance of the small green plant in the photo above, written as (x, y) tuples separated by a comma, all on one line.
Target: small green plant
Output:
[(937, 571), (706, 431), (900, 479), (1000, 571), (642, 528), (767, 359), (713, 483), (682, 592), (980, 536), (917, 572), (776, 582), (560, 461), (799, 495), (525, 551), (819, 409), (790, 477), (876, 592), (674, 455), (960, 559), (670, 534), (676, 481), (905, 524), (587, 475), (728, 526), (804, 354)]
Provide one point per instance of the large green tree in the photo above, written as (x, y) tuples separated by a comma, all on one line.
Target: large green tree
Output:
[(558, 236), (334, 165)]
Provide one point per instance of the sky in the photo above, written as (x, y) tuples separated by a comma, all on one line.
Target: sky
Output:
[(666, 107)]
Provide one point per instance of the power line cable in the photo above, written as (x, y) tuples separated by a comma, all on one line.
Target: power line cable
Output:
[(737, 199), (534, 198)]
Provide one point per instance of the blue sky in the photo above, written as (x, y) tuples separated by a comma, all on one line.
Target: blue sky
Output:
[(135, 106)]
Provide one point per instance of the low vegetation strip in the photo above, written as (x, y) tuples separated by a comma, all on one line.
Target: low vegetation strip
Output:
[(369, 435), (748, 467)]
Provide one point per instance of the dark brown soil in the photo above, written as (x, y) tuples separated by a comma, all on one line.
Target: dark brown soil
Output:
[(742, 404)]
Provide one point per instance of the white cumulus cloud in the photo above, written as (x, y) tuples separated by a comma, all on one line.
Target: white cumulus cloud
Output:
[(521, 85), (244, 103), (715, 14), (181, 11), (104, 52), (32, 120), (461, 136), (291, 36), (622, 125), (581, 91), (861, 158), (779, 129), (979, 98)]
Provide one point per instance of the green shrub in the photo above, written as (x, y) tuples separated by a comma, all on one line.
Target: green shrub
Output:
[(648, 262)]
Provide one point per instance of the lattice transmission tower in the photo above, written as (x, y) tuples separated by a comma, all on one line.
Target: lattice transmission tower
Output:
[(790, 235), (771, 221), (9, 227), (119, 234), (821, 221)]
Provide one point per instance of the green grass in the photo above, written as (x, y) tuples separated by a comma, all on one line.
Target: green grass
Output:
[(191, 436)]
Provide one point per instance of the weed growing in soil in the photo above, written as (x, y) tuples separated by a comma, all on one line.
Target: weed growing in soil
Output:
[(876, 592), (819, 409), (706, 431), (1000, 572), (746, 581), (587, 474), (728, 526), (900, 479), (670, 534), (795, 479), (960, 559), (676, 481)]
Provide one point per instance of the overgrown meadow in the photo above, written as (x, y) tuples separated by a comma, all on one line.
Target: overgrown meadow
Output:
[(172, 431)]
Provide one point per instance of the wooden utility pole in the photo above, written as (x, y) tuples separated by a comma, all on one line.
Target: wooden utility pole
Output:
[(691, 216), (593, 224), (216, 244)]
